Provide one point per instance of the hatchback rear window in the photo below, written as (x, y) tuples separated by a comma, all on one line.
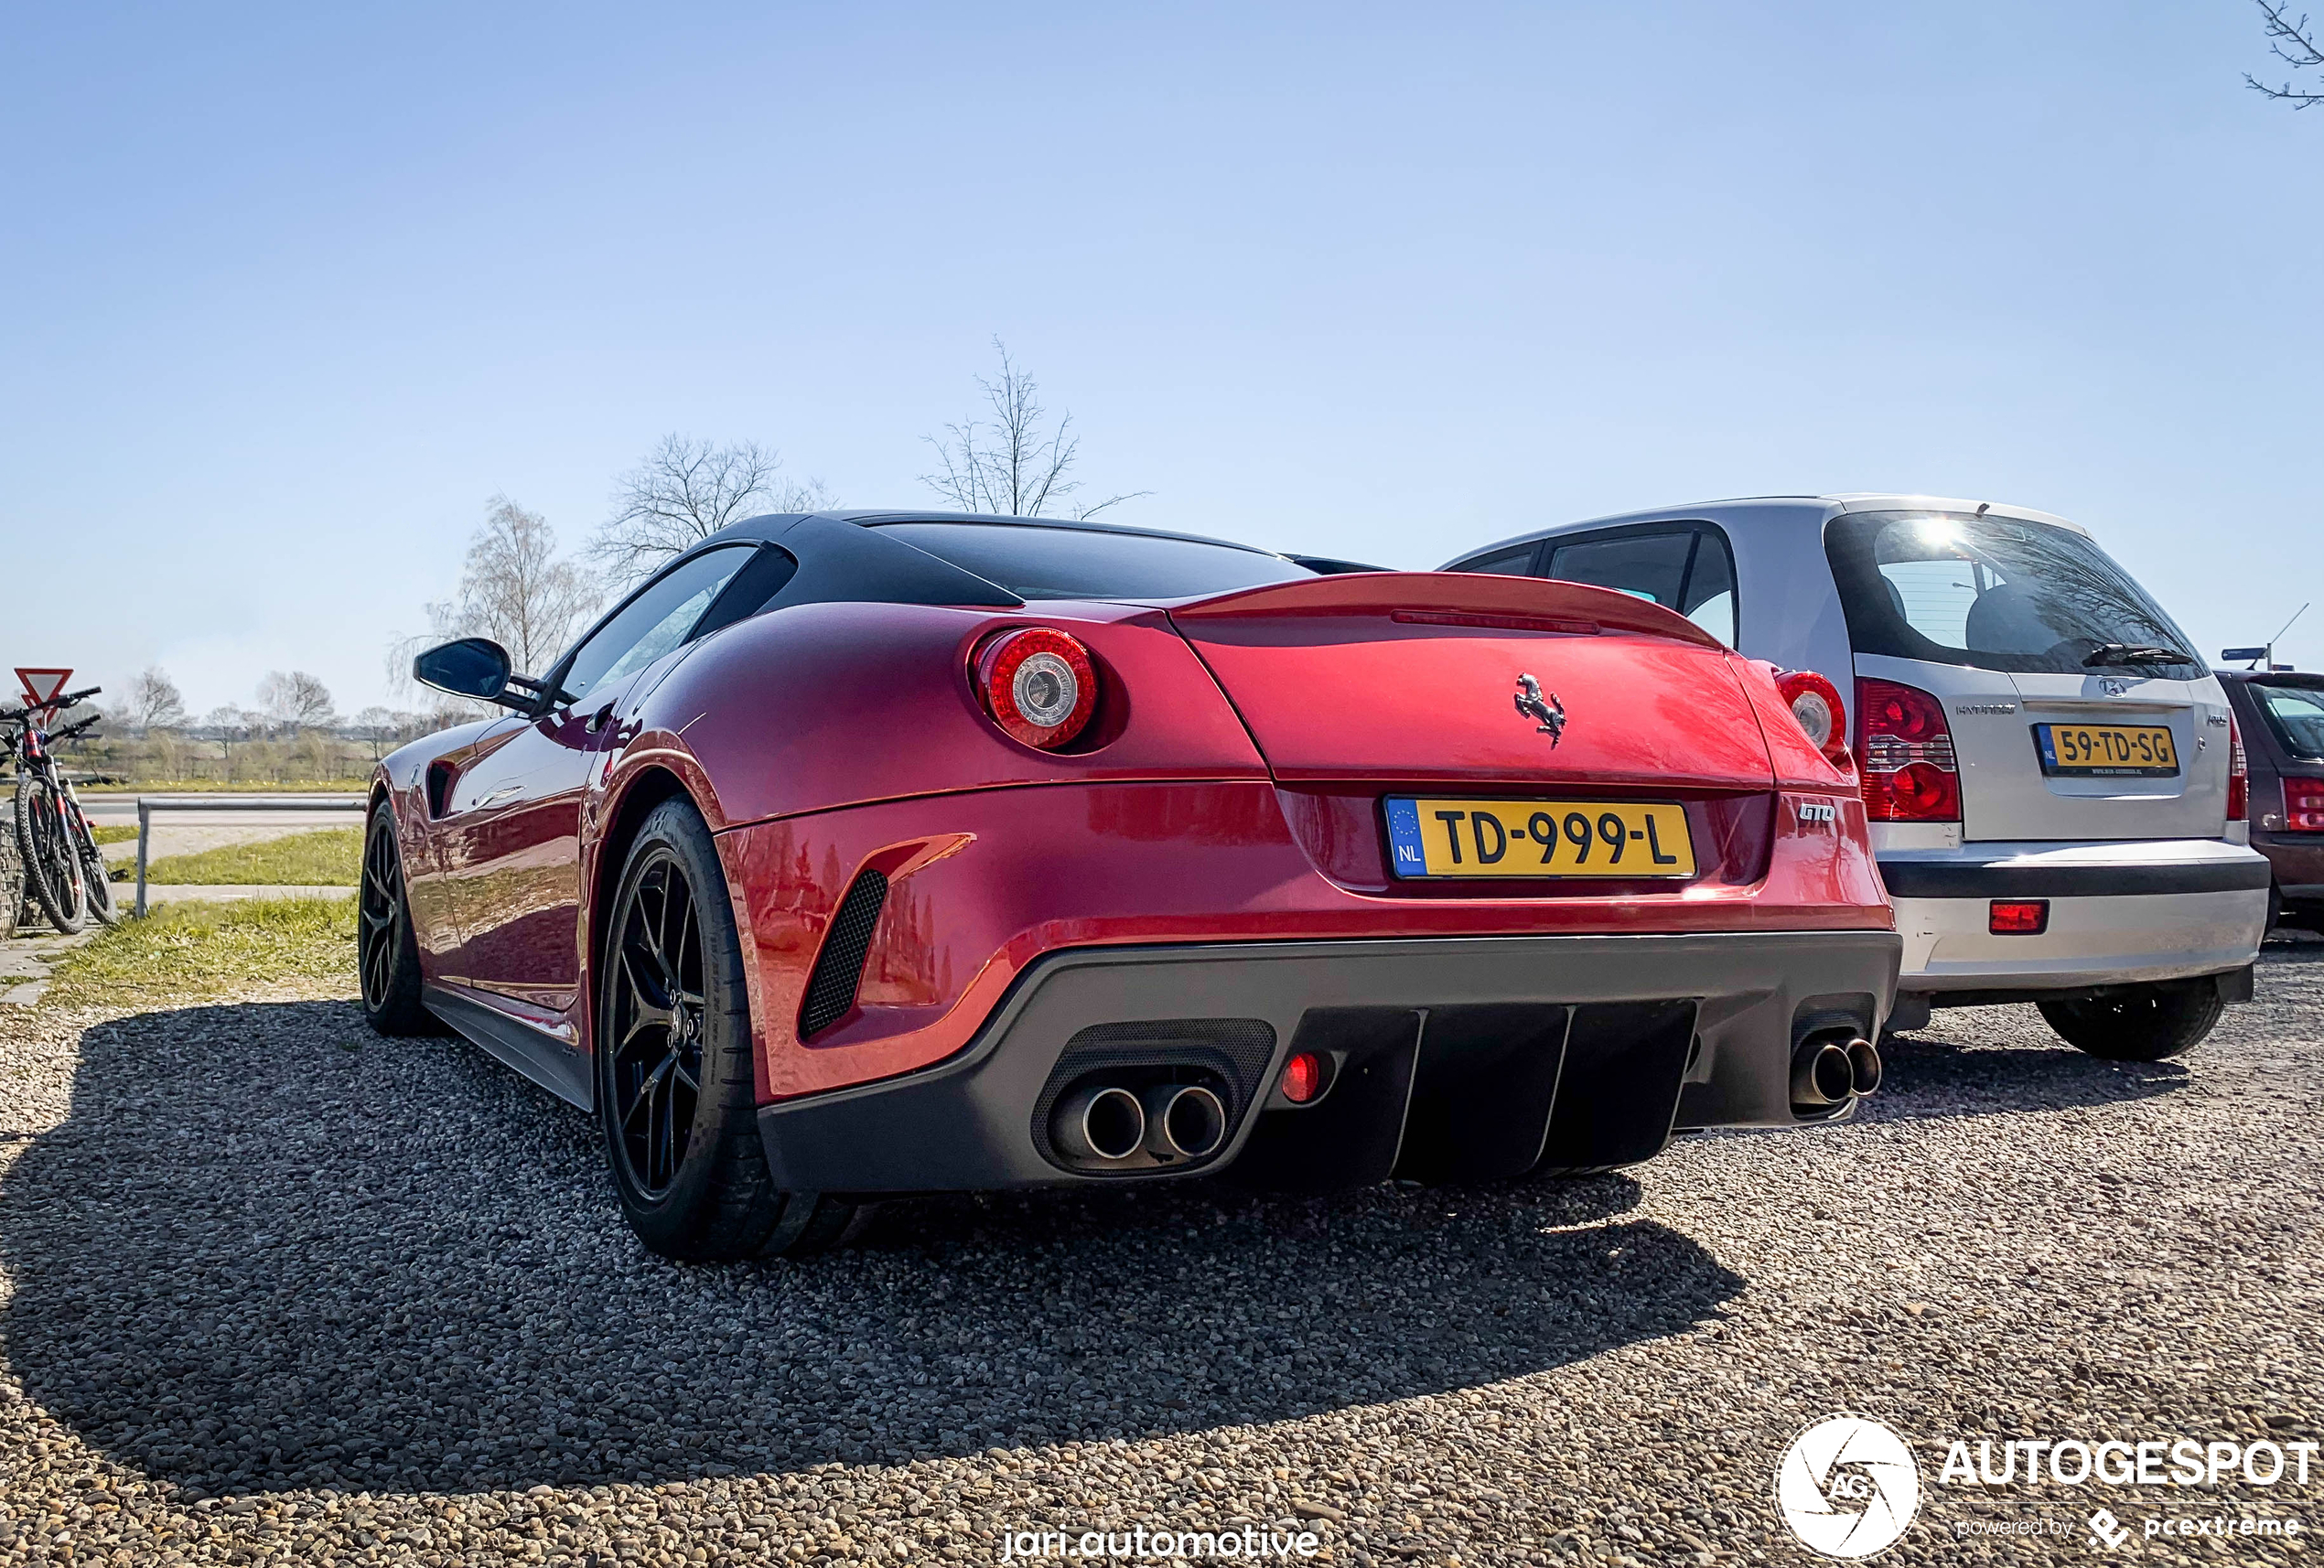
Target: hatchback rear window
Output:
[(2296, 715), (1034, 561), (1997, 593)]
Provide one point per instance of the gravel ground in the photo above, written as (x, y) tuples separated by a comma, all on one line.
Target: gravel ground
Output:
[(277, 1290)]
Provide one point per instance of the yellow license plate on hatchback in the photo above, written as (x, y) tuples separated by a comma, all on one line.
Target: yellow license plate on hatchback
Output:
[(2107, 751), (1538, 838)]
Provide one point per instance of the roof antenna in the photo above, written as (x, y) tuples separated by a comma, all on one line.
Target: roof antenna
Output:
[(2281, 630), (1983, 507), (2265, 654)]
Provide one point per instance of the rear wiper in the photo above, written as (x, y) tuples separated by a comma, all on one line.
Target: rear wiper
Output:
[(2132, 654)]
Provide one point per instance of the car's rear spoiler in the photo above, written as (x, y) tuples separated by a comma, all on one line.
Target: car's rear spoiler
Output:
[(1454, 598)]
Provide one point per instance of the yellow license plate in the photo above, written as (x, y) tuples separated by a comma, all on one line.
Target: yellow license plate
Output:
[(2107, 751), (1538, 838)]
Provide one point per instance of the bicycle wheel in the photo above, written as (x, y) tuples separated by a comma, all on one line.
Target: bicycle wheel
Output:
[(96, 876), (52, 868)]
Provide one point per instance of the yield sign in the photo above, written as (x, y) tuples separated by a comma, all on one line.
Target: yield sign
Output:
[(41, 686)]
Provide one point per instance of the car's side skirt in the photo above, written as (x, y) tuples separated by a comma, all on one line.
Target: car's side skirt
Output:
[(537, 1054)]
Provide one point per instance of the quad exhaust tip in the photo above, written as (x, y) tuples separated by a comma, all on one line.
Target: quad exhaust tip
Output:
[(1104, 1123), (1864, 1062), (1183, 1122), (1169, 1122), (1833, 1068)]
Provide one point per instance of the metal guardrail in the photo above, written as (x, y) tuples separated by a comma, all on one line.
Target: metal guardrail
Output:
[(148, 804)]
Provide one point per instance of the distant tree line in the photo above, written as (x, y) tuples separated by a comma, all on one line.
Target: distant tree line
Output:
[(294, 732)]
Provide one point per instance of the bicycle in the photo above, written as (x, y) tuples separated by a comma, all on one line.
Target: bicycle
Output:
[(63, 868)]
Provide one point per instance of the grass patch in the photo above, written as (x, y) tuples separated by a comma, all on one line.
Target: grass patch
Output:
[(185, 953), (121, 834), (332, 857)]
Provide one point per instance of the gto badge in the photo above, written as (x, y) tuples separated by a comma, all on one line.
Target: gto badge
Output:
[(1548, 710)]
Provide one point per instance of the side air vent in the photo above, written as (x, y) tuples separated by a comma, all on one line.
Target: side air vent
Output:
[(839, 967)]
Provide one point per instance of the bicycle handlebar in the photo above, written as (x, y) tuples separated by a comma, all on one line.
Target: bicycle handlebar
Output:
[(54, 705), (73, 729)]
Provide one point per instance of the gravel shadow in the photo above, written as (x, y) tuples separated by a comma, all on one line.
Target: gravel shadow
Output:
[(270, 1249), (1930, 1073)]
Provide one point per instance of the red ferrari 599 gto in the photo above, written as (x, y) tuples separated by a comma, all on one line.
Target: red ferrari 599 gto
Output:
[(864, 853)]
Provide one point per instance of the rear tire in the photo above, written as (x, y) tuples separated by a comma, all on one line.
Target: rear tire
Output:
[(51, 867), (2139, 1023), (96, 879), (387, 955), (675, 1086)]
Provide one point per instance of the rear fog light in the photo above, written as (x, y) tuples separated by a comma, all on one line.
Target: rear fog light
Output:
[(1302, 1077), (2018, 916)]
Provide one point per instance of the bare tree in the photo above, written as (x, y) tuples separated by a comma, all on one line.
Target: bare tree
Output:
[(686, 491), (296, 701), (154, 702), (2296, 44), (228, 725), (514, 590), (1017, 465)]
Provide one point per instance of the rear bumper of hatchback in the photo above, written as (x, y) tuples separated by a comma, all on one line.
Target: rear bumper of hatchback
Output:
[(2298, 862), (2115, 913), (1450, 1058)]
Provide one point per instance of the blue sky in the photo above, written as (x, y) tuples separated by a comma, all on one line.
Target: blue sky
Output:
[(293, 291)]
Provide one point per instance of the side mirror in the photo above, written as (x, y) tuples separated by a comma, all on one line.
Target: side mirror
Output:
[(472, 666)]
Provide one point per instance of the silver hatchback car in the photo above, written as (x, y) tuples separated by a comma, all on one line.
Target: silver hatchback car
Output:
[(2054, 780)]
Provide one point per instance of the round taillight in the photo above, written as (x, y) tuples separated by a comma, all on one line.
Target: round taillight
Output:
[(1923, 789), (1302, 1077), (1038, 684), (1815, 705)]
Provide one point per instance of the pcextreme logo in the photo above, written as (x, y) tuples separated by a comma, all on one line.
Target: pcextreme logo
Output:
[(1847, 1486)]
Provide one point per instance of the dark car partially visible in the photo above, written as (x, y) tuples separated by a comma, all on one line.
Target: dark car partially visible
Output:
[(2280, 716)]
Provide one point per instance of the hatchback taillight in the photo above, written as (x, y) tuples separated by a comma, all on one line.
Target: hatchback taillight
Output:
[(2304, 805), (1904, 751), (2239, 775), (1038, 683)]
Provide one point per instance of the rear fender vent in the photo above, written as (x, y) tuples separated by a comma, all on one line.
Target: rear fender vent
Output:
[(439, 787), (839, 967)]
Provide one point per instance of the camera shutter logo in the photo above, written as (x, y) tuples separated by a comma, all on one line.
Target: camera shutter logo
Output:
[(1847, 1486)]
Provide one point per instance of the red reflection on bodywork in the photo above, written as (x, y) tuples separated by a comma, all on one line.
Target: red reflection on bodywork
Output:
[(1072, 867)]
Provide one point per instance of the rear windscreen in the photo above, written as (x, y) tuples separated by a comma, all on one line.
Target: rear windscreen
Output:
[(1999, 594), (2296, 715), (1038, 562)]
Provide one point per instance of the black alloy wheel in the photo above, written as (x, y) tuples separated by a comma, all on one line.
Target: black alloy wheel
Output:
[(387, 953), (654, 1027), (675, 1063), (379, 915)]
